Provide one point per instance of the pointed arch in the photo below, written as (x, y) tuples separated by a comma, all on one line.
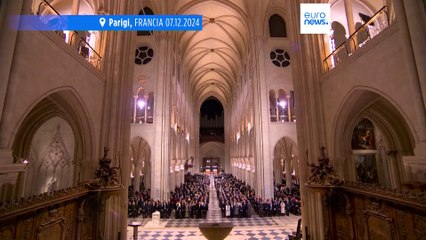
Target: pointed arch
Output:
[(285, 161), (140, 158), (67, 105), (394, 131), (277, 26)]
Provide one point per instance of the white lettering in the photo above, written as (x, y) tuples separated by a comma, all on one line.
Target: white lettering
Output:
[(148, 22), (121, 23)]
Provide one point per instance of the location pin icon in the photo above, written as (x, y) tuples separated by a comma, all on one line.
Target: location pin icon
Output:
[(102, 21)]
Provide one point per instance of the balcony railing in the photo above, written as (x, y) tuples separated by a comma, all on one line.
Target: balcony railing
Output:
[(73, 38), (375, 25)]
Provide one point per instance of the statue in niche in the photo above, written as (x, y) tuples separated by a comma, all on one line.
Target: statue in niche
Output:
[(106, 175), (323, 174)]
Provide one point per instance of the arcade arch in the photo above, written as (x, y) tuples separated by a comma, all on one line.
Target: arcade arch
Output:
[(140, 157), (286, 165)]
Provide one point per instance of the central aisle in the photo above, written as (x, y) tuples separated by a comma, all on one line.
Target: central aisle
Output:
[(213, 214)]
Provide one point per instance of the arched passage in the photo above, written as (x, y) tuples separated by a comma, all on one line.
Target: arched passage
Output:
[(140, 157), (285, 162)]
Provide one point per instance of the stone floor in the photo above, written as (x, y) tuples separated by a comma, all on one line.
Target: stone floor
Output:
[(266, 228), (282, 227)]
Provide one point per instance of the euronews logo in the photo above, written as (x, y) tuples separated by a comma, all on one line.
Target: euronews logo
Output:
[(314, 18)]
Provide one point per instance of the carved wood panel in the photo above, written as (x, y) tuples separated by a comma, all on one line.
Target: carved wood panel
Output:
[(358, 216), (54, 229), (379, 227), (57, 222), (378, 217), (7, 232), (404, 222), (66, 214), (70, 214), (419, 231), (26, 227), (89, 219), (342, 209)]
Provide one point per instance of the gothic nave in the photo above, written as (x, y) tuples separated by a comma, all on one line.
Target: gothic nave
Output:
[(91, 122)]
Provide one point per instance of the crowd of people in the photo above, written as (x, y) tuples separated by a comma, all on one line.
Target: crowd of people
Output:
[(191, 199), (234, 196), (286, 200), (236, 199), (141, 204)]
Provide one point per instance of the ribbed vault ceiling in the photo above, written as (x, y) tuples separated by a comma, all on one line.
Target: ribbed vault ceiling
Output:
[(212, 58)]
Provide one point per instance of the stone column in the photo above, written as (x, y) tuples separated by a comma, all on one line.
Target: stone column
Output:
[(135, 108), (247, 167), (137, 176), (145, 109), (264, 186), (411, 26), (288, 171), (277, 110), (310, 135), (115, 126), (415, 10), (296, 166), (349, 16), (181, 173), (288, 108), (177, 174), (240, 171), (172, 179), (351, 24), (163, 106), (75, 7), (7, 47)]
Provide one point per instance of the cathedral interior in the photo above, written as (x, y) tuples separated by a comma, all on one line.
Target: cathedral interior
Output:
[(330, 126)]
